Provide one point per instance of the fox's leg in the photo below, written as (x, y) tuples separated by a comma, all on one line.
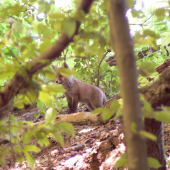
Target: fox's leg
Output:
[(74, 103), (69, 101), (97, 104), (89, 106)]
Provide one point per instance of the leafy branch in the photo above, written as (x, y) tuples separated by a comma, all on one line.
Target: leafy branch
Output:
[(19, 82)]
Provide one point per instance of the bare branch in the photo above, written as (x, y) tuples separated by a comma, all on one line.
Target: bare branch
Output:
[(98, 80)]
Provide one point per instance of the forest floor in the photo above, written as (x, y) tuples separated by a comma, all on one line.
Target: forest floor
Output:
[(94, 147)]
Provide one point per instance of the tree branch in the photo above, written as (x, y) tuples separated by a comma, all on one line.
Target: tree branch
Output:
[(98, 76), (19, 82)]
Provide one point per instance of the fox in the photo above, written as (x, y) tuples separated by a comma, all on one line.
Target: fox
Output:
[(77, 91)]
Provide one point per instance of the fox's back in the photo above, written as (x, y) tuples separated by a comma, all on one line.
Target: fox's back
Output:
[(77, 91), (89, 92)]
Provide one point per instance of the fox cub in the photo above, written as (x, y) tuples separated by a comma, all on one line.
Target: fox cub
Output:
[(78, 91)]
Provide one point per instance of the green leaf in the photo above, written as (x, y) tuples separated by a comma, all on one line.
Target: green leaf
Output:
[(27, 136), (69, 27), (44, 141), (41, 105), (163, 116), (166, 34), (118, 114), (130, 3), (147, 110), (115, 105), (143, 81), (18, 26), (54, 87), (66, 72), (121, 162), (31, 148), (163, 50), (146, 68), (79, 50), (80, 15), (44, 45), (148, 107), (150, 33), (160, 13), (50, 115), (66, 127), (165, 40), (2, 157), (135, 13), (45, 98), (50, 75), (56, 15), (153, 163), (30, 160), (19, 104), (16, 9), (27, 39), (58, 137), (33, 1), (107, 114), (17, 148), (98, 110), (147, 135)]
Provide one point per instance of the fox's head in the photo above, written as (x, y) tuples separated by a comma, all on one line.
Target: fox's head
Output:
[(60, 78)]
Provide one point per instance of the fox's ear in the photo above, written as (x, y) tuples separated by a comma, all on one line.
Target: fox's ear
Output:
[(66, 65)]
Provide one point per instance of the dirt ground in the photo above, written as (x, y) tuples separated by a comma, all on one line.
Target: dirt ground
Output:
[(94, 147)]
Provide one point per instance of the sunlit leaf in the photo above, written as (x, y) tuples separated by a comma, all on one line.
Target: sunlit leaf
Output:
[(18, 148), (107, 114), (66, 72), (121, 162), (69, 27), (135, 13), (146, 68), (58, 137), (165, 40), (153, 163), (50, 115), (44, 141), (18, 26), (163, 116), (41, 105), (115, 105), (56, 15), (160, 13), (31, 148), (80, 15), (30, 160), (19, 104), (27, 136), (50, 75), (148, 135), (27, 39), (54, 87), (44, 45), (45, 98), (66, 127)]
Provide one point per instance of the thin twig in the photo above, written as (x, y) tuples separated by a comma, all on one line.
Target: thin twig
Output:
[(98, 80)]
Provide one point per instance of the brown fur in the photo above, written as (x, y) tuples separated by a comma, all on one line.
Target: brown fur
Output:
[(78, 91)]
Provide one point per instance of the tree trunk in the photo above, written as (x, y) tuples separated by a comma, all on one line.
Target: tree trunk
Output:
[(122, 44)]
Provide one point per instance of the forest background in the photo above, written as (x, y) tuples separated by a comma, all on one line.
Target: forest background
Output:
[(27, 31)]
